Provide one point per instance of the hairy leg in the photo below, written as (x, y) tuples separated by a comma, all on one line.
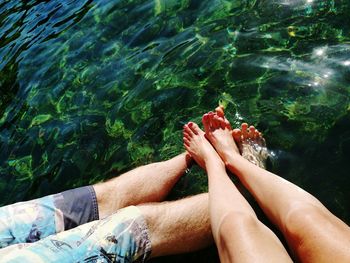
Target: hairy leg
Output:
[(313, 233), (30, 221), (179, 226), (149, 183), (238, 234)]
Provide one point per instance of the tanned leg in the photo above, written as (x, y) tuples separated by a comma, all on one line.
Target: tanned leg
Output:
[(239, 235), (313, 233), (149, 183)]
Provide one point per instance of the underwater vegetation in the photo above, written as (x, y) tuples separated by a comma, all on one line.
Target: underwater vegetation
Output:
[(91, 89)]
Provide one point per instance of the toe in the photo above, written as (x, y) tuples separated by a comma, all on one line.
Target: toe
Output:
[(222, 123), (251, 132), (186, 142), (256, 134), (220, 111), (195, 129), (192, 127), (244, 128), (185, 135), (206, 123), (216, 122), (227, 124), (210, 114), (236, 133), (187, 130), (211, 121)]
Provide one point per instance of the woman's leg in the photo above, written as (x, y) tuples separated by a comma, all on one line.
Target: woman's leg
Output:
[(313, 233), (239, 235)]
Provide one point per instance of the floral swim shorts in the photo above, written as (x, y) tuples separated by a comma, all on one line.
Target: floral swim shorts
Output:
[(121, 237)]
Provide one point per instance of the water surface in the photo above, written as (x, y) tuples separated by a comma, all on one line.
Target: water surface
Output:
[(91, 89)]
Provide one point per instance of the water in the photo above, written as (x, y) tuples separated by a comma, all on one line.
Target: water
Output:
[(91, 89)]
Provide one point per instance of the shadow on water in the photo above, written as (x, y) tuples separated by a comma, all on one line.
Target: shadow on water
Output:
[(91, 89)]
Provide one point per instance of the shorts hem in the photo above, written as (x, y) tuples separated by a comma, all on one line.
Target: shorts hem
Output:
[(95, 211)]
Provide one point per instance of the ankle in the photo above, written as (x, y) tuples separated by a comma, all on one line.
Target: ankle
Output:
[(230, 158), (214, 164), (227, 155)]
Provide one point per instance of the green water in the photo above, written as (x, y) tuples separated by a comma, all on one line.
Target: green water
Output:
[(91, 89)]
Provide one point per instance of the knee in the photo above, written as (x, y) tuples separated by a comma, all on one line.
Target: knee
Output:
[(301, 221), (235, 223), (245, 219)]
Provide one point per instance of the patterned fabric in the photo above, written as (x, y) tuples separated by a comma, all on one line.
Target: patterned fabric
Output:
[(121, 237), (28, 222)]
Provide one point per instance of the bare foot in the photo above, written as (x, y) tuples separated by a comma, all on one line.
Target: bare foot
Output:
[(251, 144), (219, 133), (199, 147)]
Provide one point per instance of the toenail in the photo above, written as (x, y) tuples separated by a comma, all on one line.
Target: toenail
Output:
[(190, 124)]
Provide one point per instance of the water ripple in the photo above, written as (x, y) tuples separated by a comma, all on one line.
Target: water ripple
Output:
[(90, 89)]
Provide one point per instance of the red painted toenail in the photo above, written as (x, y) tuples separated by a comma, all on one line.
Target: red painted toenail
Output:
[(190, 124)]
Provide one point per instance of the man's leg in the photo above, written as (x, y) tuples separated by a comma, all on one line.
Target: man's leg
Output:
[(149, 183), (178, 226), (30, 221), (133, 234)]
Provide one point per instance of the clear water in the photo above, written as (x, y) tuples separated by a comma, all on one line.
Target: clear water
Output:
[(90, 89)]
